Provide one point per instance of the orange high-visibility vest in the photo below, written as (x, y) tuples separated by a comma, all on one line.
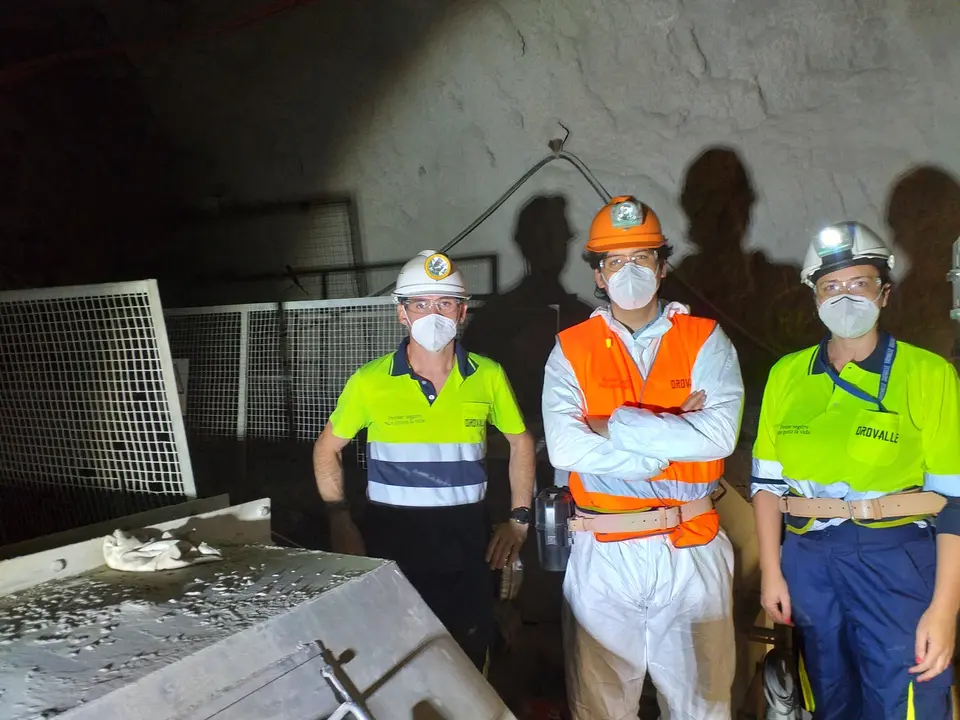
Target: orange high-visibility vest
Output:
[(609, 379)]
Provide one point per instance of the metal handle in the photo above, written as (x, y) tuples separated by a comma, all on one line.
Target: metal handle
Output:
[(349, 705)]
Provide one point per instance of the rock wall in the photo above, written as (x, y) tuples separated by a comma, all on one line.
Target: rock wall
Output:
[(427, 110)]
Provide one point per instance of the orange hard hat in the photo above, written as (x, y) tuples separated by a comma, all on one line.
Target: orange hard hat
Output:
[(625, 222)]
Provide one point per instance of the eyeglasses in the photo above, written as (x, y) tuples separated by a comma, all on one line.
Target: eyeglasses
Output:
[(421, 306), (613, 263), (863, 285)]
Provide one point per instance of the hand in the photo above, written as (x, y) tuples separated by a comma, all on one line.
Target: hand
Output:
[(504, 547), (345, 537), (599, 426), (936, 636), (775, 597), (694, 402)]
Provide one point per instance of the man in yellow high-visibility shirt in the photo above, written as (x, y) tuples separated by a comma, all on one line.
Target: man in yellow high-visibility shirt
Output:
[(426, 408)]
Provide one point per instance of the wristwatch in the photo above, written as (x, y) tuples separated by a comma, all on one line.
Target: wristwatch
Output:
[(520, 515)]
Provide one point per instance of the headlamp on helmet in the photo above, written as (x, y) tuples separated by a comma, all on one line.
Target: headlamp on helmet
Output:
[(844, 245), (431, 274), (438, 266), (834, 239), (626, 214)]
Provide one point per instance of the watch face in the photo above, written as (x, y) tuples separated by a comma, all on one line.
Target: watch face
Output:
[(521, 515)]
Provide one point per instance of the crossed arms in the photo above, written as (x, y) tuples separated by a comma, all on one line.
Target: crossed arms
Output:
[(635, 443)]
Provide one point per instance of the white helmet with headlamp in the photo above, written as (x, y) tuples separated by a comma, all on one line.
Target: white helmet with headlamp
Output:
[(848, 311), (430, 273), (841, 246)]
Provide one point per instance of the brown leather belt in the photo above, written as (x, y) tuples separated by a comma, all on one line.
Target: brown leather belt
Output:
[(898, 505), (662, 518)]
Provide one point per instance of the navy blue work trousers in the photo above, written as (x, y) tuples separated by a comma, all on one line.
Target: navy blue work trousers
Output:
[(857, 595)]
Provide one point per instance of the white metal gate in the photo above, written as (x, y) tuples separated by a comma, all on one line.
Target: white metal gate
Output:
[(88, 396)]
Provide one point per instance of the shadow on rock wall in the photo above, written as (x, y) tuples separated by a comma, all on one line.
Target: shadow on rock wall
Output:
[(518, 328), (761, 305), (923, 212)]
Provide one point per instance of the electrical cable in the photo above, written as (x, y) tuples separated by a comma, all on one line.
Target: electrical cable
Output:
[(559, 155), (605, 196)]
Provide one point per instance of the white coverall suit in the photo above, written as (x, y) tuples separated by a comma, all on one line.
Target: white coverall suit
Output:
[(644, 605)]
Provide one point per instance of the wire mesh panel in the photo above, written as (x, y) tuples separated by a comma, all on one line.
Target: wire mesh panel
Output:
[(88, 404), (267, 407), (211, 341), (261, 372), (329, 242), (299, 361), (327, 347)]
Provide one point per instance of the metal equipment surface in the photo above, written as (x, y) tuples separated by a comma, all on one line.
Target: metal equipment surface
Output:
[(267, 632)]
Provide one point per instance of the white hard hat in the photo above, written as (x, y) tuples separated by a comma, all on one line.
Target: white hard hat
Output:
[(430, 273), (841, 246)]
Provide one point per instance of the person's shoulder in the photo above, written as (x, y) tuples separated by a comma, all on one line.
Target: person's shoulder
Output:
[(483, 363), (590, 324), (922, 358), (375, 367), (919, 354), (689, 320), (790, 363), (698, 327)]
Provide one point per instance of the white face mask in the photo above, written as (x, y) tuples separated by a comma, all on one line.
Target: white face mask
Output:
[(433, 332), (632, 287), (849, 316)]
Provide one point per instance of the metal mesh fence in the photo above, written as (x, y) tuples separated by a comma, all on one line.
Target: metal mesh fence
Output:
[(88, 402), (259, 372), (327, 282), (263, 373), (211, 341)]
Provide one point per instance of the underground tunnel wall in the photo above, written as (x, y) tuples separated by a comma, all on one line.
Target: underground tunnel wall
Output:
[(426, 110)]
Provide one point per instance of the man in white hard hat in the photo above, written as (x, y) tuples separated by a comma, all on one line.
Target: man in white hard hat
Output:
[(426, 408)]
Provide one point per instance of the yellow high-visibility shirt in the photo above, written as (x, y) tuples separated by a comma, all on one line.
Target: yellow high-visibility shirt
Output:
[(426, 448), (817, 440)]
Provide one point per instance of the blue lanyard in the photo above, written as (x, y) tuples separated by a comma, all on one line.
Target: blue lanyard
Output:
[(888, 358)]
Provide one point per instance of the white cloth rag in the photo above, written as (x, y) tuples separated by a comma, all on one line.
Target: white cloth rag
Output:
[(151, 550)]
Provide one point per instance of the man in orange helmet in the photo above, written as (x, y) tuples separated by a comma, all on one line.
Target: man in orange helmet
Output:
[(641, 403)]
